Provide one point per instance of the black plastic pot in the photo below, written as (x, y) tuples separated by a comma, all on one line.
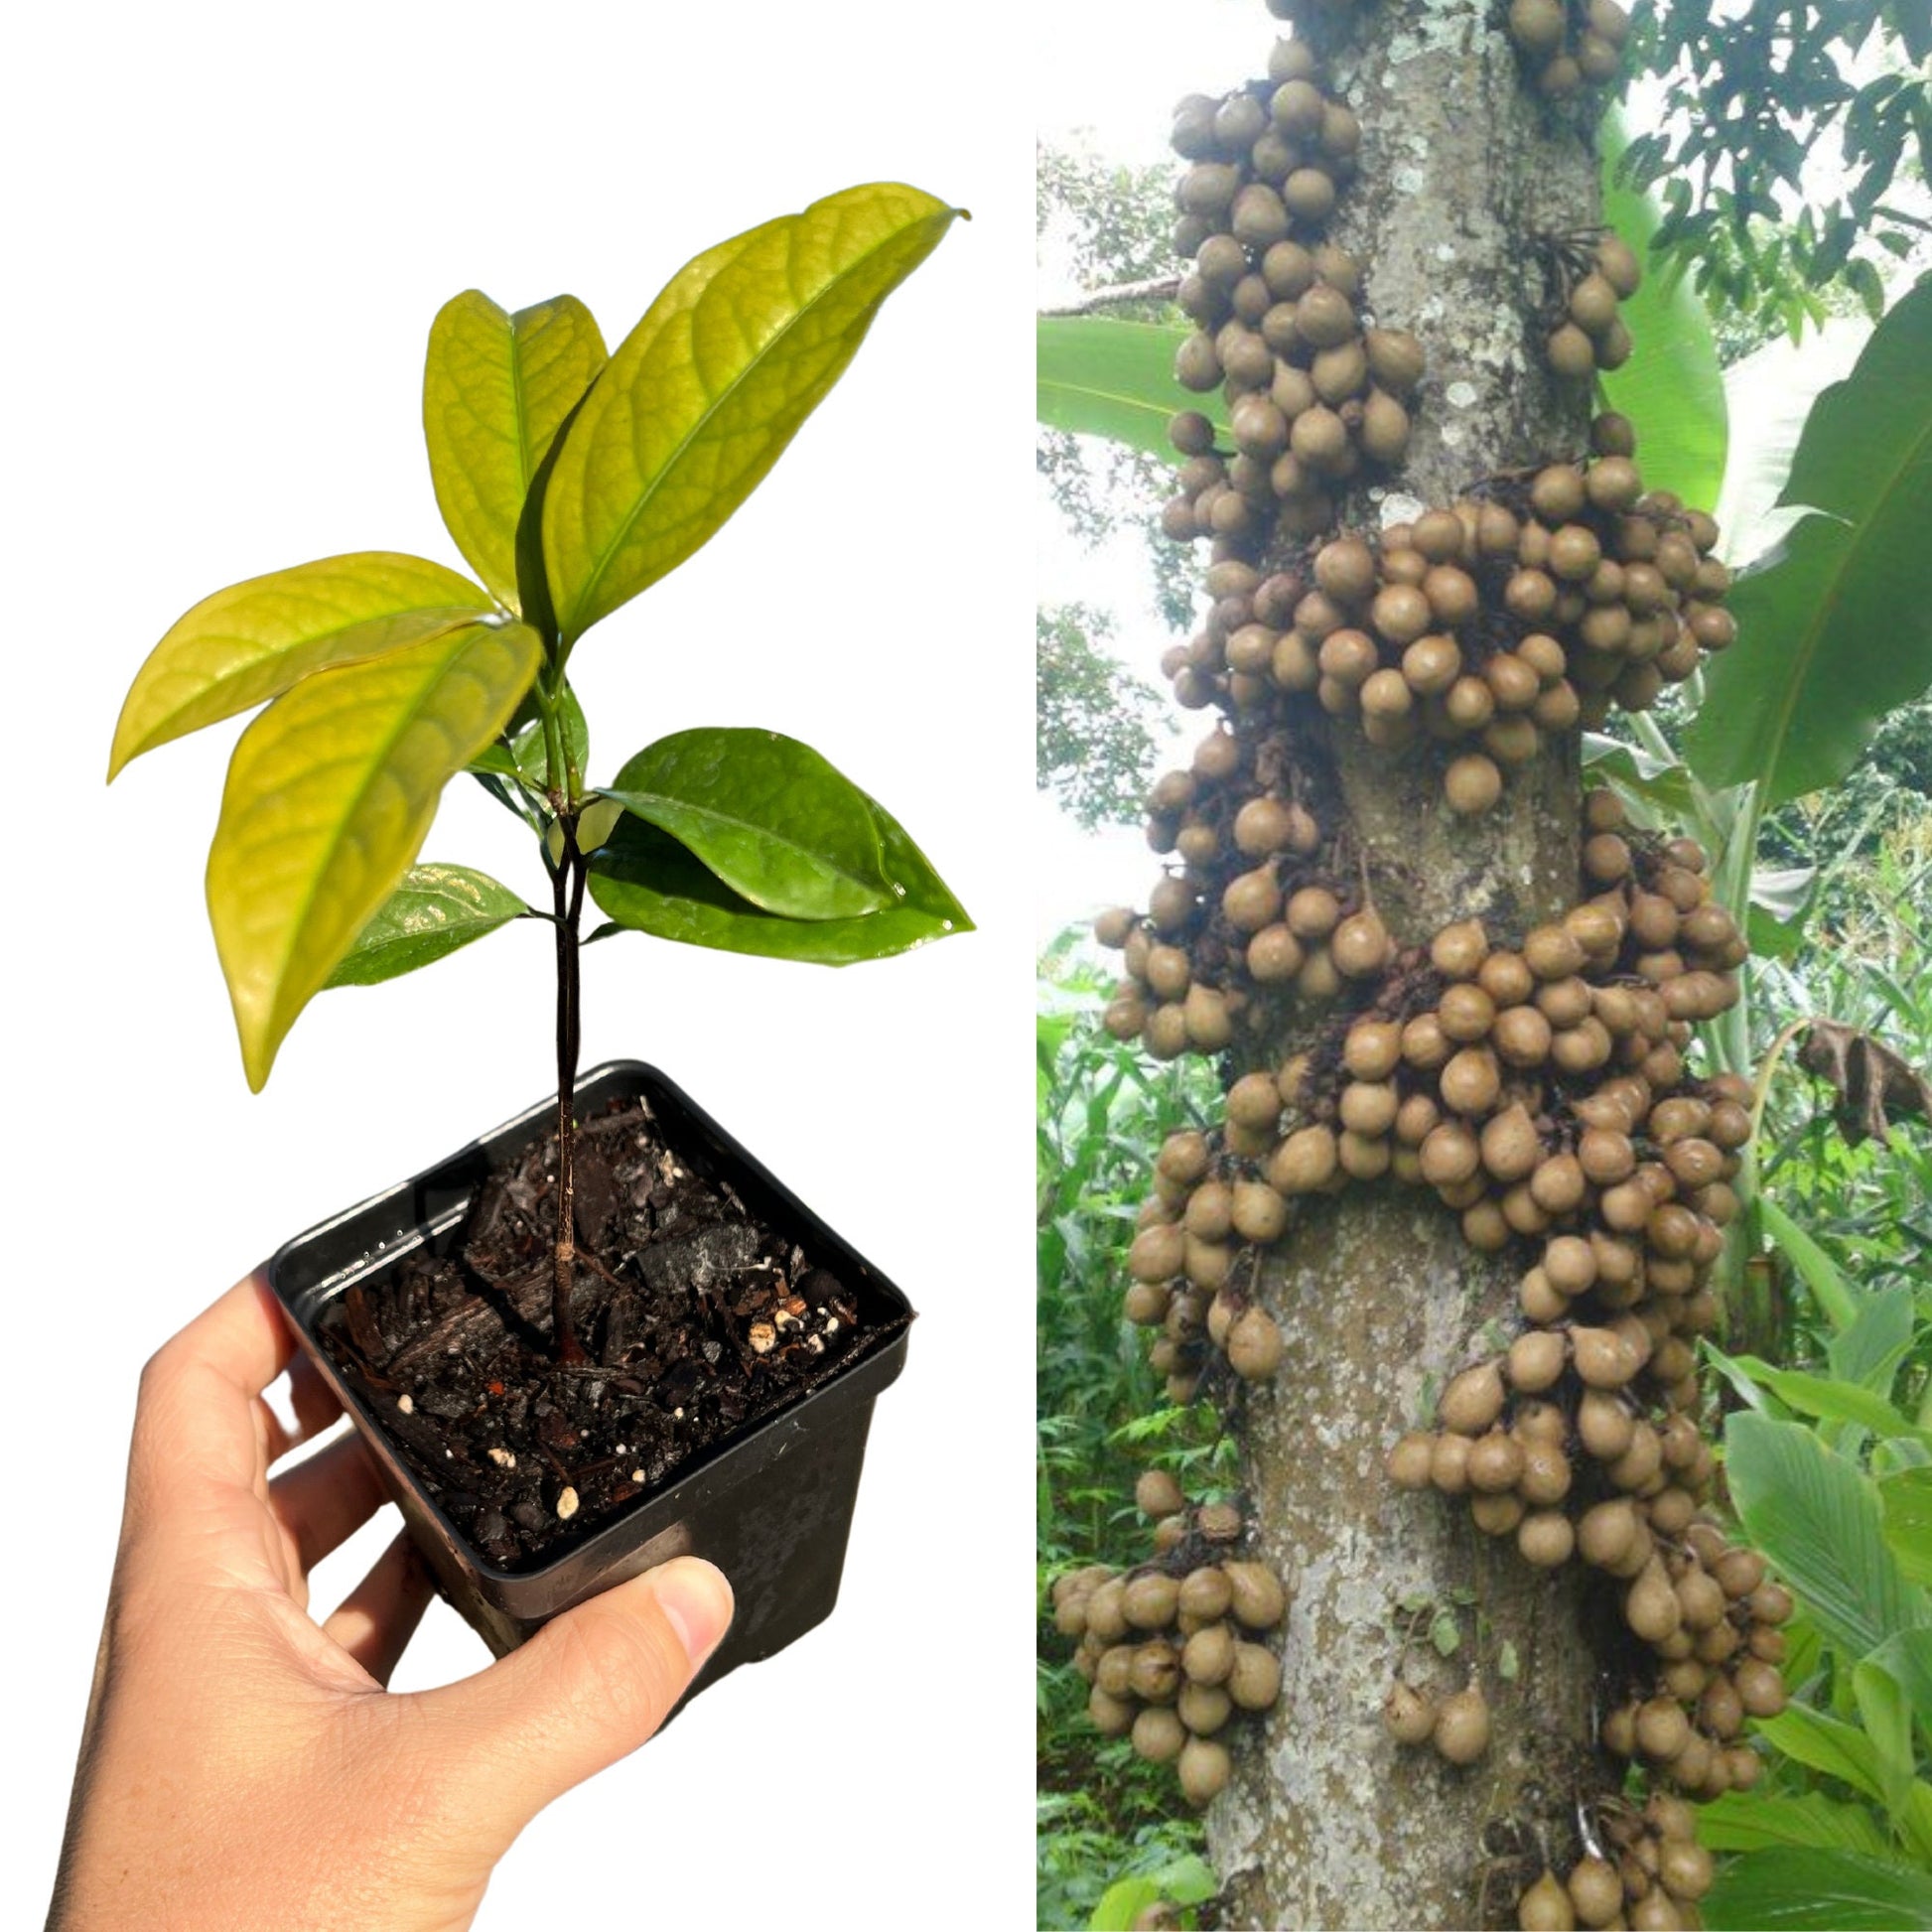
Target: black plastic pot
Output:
[(772, 1508)]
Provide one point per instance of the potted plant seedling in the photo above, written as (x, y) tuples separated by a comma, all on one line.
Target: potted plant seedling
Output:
[(603, 1334)]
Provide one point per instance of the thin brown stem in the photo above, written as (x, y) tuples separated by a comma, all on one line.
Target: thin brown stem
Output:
[(567, 889)]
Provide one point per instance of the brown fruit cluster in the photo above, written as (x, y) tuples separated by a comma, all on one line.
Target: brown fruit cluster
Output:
[(1528, 606), (1458, 1726), (1170, 1648), (1251, 905), (1567, 49), (1643, 1869), (1589, 275), (1540, 1090), (1315, 391)]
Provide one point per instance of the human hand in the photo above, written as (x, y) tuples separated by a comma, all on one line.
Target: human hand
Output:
[(242, 1765)]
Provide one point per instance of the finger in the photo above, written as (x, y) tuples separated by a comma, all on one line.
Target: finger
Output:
[(325, 1499), (587, 1690), (242, 1338), (308, 1400), (381, 1615), (197, 1422)]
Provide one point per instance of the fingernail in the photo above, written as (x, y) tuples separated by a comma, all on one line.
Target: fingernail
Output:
[(697, 1600)]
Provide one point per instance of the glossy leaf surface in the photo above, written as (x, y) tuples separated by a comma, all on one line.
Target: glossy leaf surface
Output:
[(433, 911), (769, 815), (647, 881), (253, 640), (702, 397), (329, 797), (496, 388)]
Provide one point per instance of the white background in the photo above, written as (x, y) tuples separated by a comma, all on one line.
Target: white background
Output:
[(228, 230)]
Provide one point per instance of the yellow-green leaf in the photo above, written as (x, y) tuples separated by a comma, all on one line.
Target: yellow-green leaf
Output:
[(330, 794), (250, 643), (496, 388), (703, 396)]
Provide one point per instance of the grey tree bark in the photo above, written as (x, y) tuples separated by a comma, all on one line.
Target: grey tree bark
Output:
[(1327, 1822)]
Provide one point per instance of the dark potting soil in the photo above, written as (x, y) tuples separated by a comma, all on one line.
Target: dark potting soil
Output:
[(698, 1318)]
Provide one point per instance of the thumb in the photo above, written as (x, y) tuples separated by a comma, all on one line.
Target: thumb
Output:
[(586, 1691)]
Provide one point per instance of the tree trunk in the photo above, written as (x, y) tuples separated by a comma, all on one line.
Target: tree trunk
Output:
[(1329, 1822)]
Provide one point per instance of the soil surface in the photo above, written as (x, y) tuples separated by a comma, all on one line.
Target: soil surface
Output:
[(699, 1320)]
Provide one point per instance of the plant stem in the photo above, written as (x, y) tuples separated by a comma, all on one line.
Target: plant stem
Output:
[(567, 889)]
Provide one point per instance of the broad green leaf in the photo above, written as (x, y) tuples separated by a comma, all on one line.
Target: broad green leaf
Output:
[(645, 880), (433, 911), (1744, 1821), (1120, 1906), (1671, 388), (1829, 1744), (1836, 631), (702, 397), (1791, 1889), (1101, 377), (769, 815), (1907, 1499), (250, 643), (1816, 1517), (1833, 1399), (1869, 1352), (330, 794), (1836, 1300), (1885, 1714), (1768, 394), (496, 388)]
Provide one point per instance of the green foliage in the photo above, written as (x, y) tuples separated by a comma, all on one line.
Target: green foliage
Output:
[(1095, 742), (570, 484), (1787, 170), (1674, 388), (646, 881), (1097, 376), (771, 817), (1111, 222), (704, 395), (1839, 623), (1102, 1114), (434, 909), (497, 390)]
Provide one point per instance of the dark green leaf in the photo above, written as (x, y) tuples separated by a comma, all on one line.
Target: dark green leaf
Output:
[(1102, 377), (1836, 629), (647, 881), (433, 911), (769, 815), (1786, 1887)]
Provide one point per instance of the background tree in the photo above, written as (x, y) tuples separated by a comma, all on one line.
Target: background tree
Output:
[(1325, 1821)]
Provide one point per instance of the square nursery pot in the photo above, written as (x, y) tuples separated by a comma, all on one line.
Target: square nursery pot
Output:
[(770, 1506)]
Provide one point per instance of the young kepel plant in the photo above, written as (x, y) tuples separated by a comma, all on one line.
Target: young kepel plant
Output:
[(570, 479)]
